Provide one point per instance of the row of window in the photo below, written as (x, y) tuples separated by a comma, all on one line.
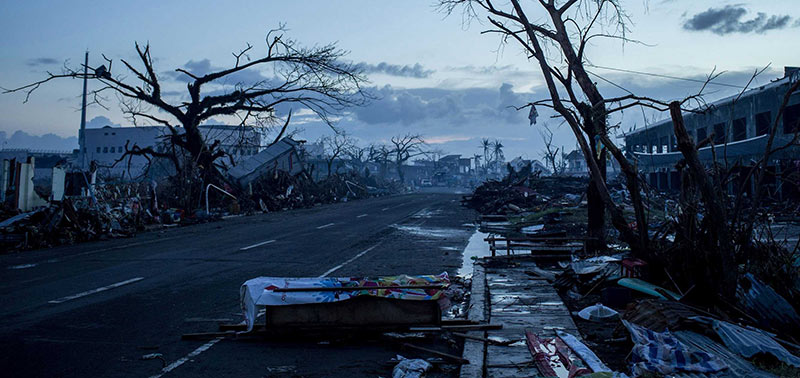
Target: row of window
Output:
[(738, 131), (232, 151), (109, 150)]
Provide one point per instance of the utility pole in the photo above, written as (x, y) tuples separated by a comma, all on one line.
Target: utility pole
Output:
[(82, 133)]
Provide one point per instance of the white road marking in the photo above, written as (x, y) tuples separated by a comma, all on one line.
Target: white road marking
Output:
[(95, 291), (183, 360), (257, 245), (385, 208), (23, 266), (361, 216), (59, 259), (335, 268), (325, 226)]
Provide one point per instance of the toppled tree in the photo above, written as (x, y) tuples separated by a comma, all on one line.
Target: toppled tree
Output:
[(314, 78)]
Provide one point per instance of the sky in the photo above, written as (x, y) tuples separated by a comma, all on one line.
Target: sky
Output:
[(432, 74)]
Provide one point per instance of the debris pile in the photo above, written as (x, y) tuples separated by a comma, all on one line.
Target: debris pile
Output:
[(514, 195), (282, 191)]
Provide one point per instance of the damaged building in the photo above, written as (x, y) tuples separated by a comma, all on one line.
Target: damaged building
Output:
[(106, 145), (739, 127)]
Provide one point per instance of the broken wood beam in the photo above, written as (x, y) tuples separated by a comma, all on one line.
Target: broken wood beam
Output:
[(471, 327), (437, 353), (484, 339)]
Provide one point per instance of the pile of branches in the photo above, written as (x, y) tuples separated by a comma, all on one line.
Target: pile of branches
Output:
[(282, 191), (522, 190)]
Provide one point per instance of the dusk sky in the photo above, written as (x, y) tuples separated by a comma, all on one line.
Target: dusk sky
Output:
[(433, 75)]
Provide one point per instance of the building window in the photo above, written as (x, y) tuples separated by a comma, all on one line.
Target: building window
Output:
[(113, 150), (719, 133), (664, 146), (105, 150), (653, 149), (119, 148), (98, 150), (739, 129), (791, 117), (674, 143), (763, 121), (701, 134)]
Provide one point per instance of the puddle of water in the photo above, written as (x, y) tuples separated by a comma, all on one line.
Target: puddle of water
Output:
[(476, 247), (430, 232), (426, 213)]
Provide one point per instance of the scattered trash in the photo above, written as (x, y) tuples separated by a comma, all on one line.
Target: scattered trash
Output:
[(410, 368), (155, 356), (598, 313)]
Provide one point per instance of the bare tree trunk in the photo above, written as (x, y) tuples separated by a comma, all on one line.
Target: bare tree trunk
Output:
[(719, 256), (596, 210)]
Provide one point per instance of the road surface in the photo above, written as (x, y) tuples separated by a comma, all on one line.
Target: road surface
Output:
[(94, 309)]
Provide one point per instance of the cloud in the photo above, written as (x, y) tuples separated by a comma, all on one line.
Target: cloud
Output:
[(21, 139), (728, 20), (100, 121), (43, 61), (454, 106), (415, 71)]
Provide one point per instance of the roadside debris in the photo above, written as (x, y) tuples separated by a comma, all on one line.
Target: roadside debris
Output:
[(410, 368)]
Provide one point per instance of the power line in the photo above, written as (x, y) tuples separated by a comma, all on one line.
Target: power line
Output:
[(665, 76)]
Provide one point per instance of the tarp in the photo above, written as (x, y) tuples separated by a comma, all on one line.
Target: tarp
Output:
[(661, 352), (261, 291)]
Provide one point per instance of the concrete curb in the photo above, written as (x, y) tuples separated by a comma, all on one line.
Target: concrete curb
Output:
[(475, 351)]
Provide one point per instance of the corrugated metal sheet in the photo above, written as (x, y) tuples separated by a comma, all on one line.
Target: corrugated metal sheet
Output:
[(658, 315), (738, 366), (763, 303), (749, 343)]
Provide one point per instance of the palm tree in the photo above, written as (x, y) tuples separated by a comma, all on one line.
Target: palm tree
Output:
[(486, 144), (498, 151)]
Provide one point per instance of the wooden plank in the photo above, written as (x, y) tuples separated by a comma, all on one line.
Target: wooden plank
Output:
[(475, 327), (437, 353)]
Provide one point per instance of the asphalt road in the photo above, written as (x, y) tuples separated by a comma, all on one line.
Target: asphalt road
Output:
[(93, 310)]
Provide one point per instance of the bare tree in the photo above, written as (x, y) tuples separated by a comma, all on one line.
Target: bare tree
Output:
[(381, 154), (315, 78), (557, 44), (404, 148), (335, 147), (551, 154), (357, 155)]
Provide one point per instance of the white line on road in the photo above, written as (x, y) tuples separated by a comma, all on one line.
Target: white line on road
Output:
[(23, 266), (95, 291), (257, 245), (183, 360), (385, 208), (325, 226), (361, 216), (335, 268)]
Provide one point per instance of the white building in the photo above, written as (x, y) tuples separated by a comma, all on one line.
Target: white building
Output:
[(106, 145)]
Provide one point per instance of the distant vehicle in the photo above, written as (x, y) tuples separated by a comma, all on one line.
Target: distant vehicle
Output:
[(425, 182)]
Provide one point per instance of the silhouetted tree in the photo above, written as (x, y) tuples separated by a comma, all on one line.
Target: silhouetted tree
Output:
[(314, 78)]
